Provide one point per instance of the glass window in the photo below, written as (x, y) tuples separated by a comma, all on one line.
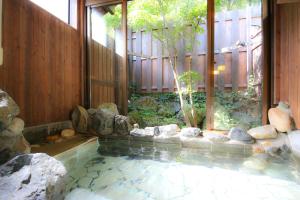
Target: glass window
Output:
[(59, 8)]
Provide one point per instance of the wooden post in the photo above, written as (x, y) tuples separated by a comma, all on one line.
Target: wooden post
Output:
[(266, 61), (210, 65), (124, 71)]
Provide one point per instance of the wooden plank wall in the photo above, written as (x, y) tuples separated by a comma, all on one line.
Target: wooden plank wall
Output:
[(42, 63), (288, 57), (104, 62), (151, 72)]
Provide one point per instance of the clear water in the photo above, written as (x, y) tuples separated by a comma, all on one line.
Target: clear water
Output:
[(121, 171)]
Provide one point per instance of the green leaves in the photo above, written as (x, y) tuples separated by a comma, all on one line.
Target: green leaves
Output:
[(190, 80)]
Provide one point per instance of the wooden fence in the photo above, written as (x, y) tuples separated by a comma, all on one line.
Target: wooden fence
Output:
[(149, 69)]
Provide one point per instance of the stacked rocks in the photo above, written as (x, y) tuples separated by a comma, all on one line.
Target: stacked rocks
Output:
[(105, 120), (12, 141)]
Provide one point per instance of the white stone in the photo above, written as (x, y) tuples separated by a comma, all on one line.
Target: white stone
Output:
[(190, 132), (67, 133), (294, 139), (168, 130), (263, 132), (280, 119)]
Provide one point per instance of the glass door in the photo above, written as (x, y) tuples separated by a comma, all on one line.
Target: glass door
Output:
[(238, 64)]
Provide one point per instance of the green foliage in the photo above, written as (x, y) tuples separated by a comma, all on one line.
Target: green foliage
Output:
[(190, 80), (227, 5)]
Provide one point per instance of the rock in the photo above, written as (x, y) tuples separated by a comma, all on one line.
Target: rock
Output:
[(31, 177), (137, 132), (12, 146), (91, 111), (215, 137), (102, 122), (52, 138), (294, 138), (258, 149), (190, 132), (136, 126), (152, 131), (263, 132), (22, 145), (8, 110), (109, 107), (80, 119), (67, 133), (122, 125), (257, 162), (168, 130), (17, 126), (280, 119), (239, 134), (147, 102), (284, 107)]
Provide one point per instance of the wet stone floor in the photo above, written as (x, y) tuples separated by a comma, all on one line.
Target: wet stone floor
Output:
[(145, 173)]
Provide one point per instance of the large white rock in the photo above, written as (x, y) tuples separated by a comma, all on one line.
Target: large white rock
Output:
[(33, 177), (168, 130), (263, 132), (294, 139), (190, 132), (280, 119)]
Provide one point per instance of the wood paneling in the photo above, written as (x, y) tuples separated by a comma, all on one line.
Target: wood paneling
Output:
[(287, 62), (42, 63), (104, 61)]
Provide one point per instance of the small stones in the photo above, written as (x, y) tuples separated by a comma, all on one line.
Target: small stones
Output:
[(215, 137), (239, 134), (67, 133), (263, 132), (190, 132)]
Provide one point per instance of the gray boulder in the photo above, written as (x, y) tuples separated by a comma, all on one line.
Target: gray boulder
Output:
[(33, 177), (11, 146), (109, 107), (8, 110), (122, 125), (190, 132), (102, 122), (241, 135)]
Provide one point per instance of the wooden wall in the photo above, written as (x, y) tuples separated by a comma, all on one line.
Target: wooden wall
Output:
[(287, 64), (42, 63), (104, 61)]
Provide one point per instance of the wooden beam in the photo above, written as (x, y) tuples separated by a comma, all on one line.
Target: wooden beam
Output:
[(124, 71), (101, 2), (210, 65), (266, 94), (82, 28), (287, 1)]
